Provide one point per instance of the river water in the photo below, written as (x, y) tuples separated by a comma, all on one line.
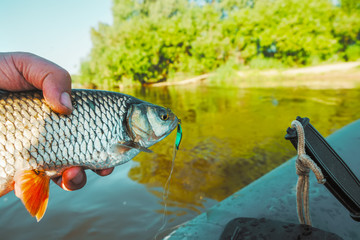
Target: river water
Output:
[(231, 137)]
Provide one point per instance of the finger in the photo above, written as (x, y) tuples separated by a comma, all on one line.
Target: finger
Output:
[(55, 89), (47, 76), (72, 179), (104, 172)]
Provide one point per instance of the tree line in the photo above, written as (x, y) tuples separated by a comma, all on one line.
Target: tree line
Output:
[(156, 40)]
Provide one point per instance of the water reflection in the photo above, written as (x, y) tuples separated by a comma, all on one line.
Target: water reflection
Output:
[(233, 136)]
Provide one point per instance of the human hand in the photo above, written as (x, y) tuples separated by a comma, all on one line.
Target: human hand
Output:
[(25, 71)]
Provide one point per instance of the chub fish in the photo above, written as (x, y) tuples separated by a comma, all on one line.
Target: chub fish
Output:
[(104, 130)]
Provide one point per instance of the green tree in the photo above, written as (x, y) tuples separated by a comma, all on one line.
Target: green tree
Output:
[(350, 5), (153, 40)]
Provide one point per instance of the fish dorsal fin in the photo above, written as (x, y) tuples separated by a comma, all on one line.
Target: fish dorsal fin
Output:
[(32, 187), (125, 146)]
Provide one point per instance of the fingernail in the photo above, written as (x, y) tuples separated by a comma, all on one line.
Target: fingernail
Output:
[(65, 188), (77, 180), (65, 100)]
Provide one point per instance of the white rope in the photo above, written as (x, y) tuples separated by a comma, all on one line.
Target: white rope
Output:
[(303, 166)]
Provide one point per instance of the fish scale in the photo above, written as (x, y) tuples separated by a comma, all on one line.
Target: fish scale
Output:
[(33, 137)]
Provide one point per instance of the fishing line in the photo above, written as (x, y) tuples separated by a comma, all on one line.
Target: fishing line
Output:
[(167, 184)]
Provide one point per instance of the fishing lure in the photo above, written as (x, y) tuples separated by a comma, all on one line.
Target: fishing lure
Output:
[(178, 135)]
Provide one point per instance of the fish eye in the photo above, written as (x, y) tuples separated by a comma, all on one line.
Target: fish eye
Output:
[(164, 117)]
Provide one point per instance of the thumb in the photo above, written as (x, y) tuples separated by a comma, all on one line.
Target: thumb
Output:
[(54, 81), (57, 91)]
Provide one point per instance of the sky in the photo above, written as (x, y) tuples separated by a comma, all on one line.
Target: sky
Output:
[(58, 30)]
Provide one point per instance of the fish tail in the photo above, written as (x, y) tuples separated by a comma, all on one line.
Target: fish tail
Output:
[(32, 187)]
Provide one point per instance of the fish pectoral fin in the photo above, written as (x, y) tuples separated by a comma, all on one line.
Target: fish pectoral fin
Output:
[(122, 147), (32, 187), (143, 149)]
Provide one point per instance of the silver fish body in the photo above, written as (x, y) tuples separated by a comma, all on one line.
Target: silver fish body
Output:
[(105, 129)]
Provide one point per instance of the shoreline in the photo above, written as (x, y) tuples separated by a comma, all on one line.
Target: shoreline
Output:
[(344, 75)]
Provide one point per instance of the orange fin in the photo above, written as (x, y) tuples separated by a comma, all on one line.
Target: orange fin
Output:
[(32, 187)]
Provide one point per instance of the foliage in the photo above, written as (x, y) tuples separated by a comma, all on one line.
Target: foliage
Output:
[(152, 40), (226, 75), (350, 5), (265, 63), (352, 53)]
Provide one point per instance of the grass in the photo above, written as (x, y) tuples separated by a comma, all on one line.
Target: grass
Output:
[(262, 63), (225, 75)]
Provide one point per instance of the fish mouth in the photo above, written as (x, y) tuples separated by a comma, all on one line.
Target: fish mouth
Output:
[(175, 124), (175, 120)]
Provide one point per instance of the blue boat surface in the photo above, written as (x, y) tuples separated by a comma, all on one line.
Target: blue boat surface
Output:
[(273, 197)]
